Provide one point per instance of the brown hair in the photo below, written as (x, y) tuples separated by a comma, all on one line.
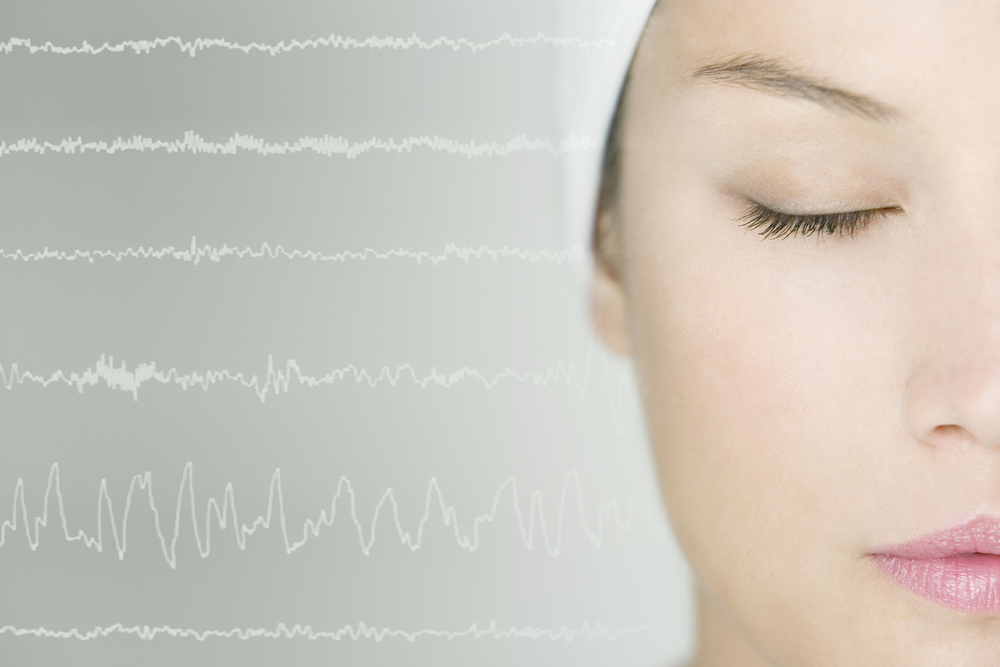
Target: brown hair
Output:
[(606, 239)]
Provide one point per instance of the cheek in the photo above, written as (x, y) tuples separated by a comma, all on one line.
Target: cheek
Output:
[(769, 374)]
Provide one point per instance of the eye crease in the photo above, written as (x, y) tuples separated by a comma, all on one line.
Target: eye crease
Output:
[(782, 225)]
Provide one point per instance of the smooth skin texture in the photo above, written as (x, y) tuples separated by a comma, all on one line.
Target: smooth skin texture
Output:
[(812, 398)]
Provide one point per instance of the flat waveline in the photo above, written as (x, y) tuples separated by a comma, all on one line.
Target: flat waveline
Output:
[(195, 254), (358, 631), (194, 46), (326, 145)]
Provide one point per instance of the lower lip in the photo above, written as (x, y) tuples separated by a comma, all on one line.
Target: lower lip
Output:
[(967, 582)]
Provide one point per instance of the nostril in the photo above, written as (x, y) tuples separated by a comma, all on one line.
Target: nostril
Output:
[(947, 433), (955, 436), (954, 433)]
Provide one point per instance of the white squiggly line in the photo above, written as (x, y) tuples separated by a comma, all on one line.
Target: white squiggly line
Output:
[(195, 254), (278, 380), (194, 46), (327, 145), (312, 527), (585, 632)]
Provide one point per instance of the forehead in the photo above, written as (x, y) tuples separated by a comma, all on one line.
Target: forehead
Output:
[(778, 23), (907, 53), (935, 62)]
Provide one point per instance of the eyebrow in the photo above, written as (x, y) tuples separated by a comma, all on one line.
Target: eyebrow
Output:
[(775, 77)]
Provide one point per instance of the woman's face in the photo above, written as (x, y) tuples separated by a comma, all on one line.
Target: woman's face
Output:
[(812, 399)]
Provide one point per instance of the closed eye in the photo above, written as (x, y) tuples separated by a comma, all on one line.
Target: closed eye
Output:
[(783, 225)]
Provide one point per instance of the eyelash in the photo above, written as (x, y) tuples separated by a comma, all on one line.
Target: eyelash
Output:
[(783, 225)]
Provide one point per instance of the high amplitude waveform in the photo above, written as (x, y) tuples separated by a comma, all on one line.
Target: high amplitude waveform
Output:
[(326, 145), (279, 378), (193, 46), (359, 631), (531, 523), (195, 254)]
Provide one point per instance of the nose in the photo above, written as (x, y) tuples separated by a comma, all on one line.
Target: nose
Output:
[(954, 386), (972, 414)]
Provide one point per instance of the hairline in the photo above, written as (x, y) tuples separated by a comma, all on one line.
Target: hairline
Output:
[(608, 193)]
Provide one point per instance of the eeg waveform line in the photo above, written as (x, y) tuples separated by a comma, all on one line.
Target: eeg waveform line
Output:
[(278, 379), (528, 522), (195, 254), (326, 145), (194, 46), (585, 632)]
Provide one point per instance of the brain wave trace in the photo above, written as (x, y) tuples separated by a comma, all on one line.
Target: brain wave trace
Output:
[(326, 145), (585, 632), (194, 46), (528, 521), (278, 379), (195, 254)]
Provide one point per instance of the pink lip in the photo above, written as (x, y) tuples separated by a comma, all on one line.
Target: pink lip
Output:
[(958, 567)]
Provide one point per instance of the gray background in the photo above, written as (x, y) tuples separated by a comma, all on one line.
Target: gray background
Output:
[(540, 401)]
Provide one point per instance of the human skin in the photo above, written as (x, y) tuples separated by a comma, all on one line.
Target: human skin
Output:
[(810, 399)]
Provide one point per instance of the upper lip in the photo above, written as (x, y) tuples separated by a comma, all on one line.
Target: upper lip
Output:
[(981, 534)]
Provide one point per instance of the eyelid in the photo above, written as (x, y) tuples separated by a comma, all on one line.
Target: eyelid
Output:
[(783, 225)]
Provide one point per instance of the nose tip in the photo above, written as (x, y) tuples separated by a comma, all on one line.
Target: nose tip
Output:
[(977, 417), (960, 406)]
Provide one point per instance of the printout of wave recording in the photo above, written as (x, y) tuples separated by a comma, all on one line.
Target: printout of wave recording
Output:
[(295, 366)]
